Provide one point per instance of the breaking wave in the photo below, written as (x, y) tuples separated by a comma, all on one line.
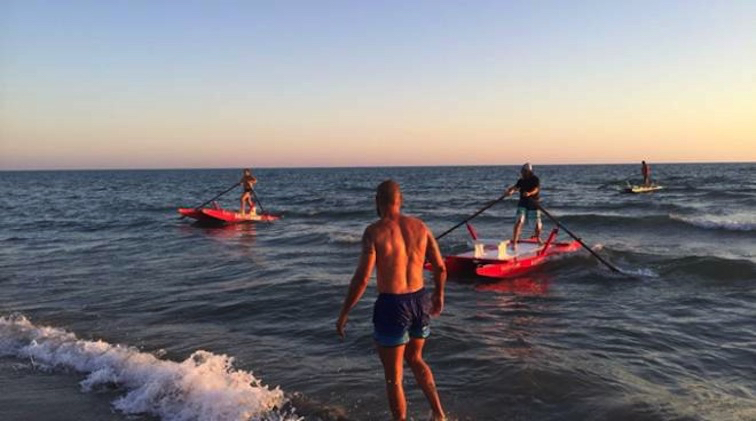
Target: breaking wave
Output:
[(730, 223), (205, 386), (737, 223)]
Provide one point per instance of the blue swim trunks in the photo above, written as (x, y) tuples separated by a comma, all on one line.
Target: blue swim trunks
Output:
[(399, 317), (529, 215)]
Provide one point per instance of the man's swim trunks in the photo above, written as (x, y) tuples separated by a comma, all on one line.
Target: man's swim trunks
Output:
[(529, 215), (399, 317)]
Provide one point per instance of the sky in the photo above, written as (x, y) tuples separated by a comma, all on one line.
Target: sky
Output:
[(221, 84)]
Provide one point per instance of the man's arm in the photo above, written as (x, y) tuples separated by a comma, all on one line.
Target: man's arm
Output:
[(359, 280), (511, 189), (433, 255)]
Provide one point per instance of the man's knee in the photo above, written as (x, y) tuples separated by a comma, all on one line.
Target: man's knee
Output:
[(415, 360)]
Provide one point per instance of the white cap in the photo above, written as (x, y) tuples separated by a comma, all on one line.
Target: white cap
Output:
[(527, 167)]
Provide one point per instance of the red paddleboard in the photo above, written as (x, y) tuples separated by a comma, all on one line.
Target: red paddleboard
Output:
[(497, 259), (225, 216)]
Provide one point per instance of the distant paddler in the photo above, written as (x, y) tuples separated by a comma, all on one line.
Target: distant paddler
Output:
[(527, 208), (646, 171), (248, 182)]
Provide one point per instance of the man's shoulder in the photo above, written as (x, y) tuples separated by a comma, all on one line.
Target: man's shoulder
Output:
[(413, 222), (376, 225)]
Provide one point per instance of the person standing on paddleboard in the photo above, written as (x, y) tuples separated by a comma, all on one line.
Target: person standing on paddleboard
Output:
[(398, 246), (527, 208), (248, 181), (646, 171)]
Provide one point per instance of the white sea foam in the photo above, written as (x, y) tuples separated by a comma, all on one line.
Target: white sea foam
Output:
[(642, 272), (734, 222), (203, 387), (344, 238)]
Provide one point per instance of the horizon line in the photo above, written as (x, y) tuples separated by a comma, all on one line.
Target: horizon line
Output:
[(364, 166)]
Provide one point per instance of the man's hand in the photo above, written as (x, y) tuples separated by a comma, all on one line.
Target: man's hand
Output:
[(437, 305), (340, 325)]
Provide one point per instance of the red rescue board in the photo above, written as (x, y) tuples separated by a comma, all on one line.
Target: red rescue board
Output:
[(497, 259), (226, 216)]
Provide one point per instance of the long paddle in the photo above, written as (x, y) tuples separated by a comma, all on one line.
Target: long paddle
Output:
[(219, 195), (257, 199), (559, 224), (502, 197)]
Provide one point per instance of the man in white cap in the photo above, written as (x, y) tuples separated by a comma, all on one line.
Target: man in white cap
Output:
[(527, 208)]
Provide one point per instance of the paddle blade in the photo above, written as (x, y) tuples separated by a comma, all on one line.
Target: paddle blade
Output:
[(471, 230)]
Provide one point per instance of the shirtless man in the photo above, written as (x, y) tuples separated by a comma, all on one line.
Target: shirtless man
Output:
[(646, 171), (399, 245), (247, 181)]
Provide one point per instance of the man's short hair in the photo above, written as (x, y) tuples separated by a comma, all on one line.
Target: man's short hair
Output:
[(388, 193)]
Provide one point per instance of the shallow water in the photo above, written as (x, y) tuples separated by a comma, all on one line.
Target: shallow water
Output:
[(109, 298)]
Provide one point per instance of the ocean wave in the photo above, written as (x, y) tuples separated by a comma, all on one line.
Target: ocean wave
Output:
[(612, 218), (335, 213), (344, 237), (205, 386), (740, 223), (641, 272), (730, 223), (711, 267)]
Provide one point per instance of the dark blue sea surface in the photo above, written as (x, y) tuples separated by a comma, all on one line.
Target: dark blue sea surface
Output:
[(113, 307)]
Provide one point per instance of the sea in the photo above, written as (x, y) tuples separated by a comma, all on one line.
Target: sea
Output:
[(113, 307)]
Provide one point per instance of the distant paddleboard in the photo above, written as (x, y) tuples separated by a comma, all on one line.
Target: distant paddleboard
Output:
[(225, 216), (642, 189)]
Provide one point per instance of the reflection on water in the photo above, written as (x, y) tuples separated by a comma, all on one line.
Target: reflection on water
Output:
[(241, 237), (531, 285), (517, 311), (229, 230)]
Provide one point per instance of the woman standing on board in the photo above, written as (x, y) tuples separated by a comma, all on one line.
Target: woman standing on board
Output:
[(248, 181), (646, 174)]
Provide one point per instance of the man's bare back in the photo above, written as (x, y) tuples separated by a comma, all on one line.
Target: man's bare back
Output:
[(400, 244)]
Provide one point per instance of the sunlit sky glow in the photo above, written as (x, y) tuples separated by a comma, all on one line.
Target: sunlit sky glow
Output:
[(183, 84)]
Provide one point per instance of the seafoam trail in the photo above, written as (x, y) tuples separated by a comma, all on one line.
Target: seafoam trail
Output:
[(204, 386)]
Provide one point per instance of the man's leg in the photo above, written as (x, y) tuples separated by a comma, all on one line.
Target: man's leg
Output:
[(517, 230), (242, 203), (423, 376), (393, 369), (538, 226)]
